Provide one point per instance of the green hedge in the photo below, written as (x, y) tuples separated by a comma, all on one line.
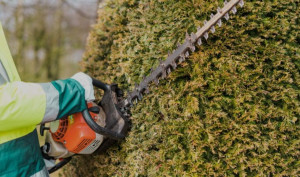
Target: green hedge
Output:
[(231, 109)]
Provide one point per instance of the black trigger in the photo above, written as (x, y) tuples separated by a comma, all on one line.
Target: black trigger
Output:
[(94, 109)]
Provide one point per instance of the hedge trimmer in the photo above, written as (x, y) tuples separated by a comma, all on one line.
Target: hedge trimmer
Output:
[(102, 124)]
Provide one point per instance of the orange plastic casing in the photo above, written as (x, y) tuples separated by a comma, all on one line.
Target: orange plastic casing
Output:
[(74, 133)]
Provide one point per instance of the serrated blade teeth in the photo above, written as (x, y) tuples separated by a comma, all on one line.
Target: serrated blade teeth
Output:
[(156, 81), (193, 48), (219, 23), (199, 41), (187, 36), (193, 36), (226, 16), (169, 70), (140, 96), (206, 35), (212, 29), (187, 54), (180, 60), (129, 100), (241, 3), (183, 58), (164, 74), (234, 10), (198, 28), (174, 65), (130, 103), (182, 52)]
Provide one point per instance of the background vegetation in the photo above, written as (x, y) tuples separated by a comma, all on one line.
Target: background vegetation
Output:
[(47, 38), (231, 109)]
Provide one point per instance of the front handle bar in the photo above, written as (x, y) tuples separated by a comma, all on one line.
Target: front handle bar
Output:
[(90, 121)]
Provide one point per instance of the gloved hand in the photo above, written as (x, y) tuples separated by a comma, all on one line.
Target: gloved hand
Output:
[(66, 97), (86, 82)]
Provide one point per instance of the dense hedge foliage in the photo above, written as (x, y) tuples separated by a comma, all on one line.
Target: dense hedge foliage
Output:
[(232, 109)]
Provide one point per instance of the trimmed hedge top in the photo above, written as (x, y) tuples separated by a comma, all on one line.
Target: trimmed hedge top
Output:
[(231, 109)]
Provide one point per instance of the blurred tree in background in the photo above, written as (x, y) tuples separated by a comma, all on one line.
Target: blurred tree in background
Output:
[(47, 38)]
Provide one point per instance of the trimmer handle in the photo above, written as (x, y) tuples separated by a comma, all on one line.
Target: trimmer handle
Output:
[(116, 124), (43, 128), (100, 84), (110, 109)]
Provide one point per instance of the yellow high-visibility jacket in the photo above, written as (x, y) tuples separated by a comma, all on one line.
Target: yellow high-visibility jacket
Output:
[(22, 107)]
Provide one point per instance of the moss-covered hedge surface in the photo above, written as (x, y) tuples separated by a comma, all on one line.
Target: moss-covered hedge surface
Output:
[(231, 109)]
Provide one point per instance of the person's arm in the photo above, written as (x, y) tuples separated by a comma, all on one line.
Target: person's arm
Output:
[(25, 104)]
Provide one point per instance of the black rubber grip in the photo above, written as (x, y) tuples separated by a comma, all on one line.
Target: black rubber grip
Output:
[(100, 130), (100, 84)]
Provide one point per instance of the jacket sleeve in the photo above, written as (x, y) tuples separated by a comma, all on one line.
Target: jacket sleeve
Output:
[(26, 104)]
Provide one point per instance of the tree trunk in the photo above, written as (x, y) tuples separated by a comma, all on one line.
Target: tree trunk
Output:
[(19, 33), (58, 42)]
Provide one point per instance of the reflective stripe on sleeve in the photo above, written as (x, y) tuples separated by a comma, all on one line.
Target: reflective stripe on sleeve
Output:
[(71, 97), (52, 102), (41, 173)]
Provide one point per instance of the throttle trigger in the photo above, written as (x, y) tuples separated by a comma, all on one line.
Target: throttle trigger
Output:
[(94, 109)]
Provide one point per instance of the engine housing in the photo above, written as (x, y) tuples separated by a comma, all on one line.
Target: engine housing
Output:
[(75, 135)]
